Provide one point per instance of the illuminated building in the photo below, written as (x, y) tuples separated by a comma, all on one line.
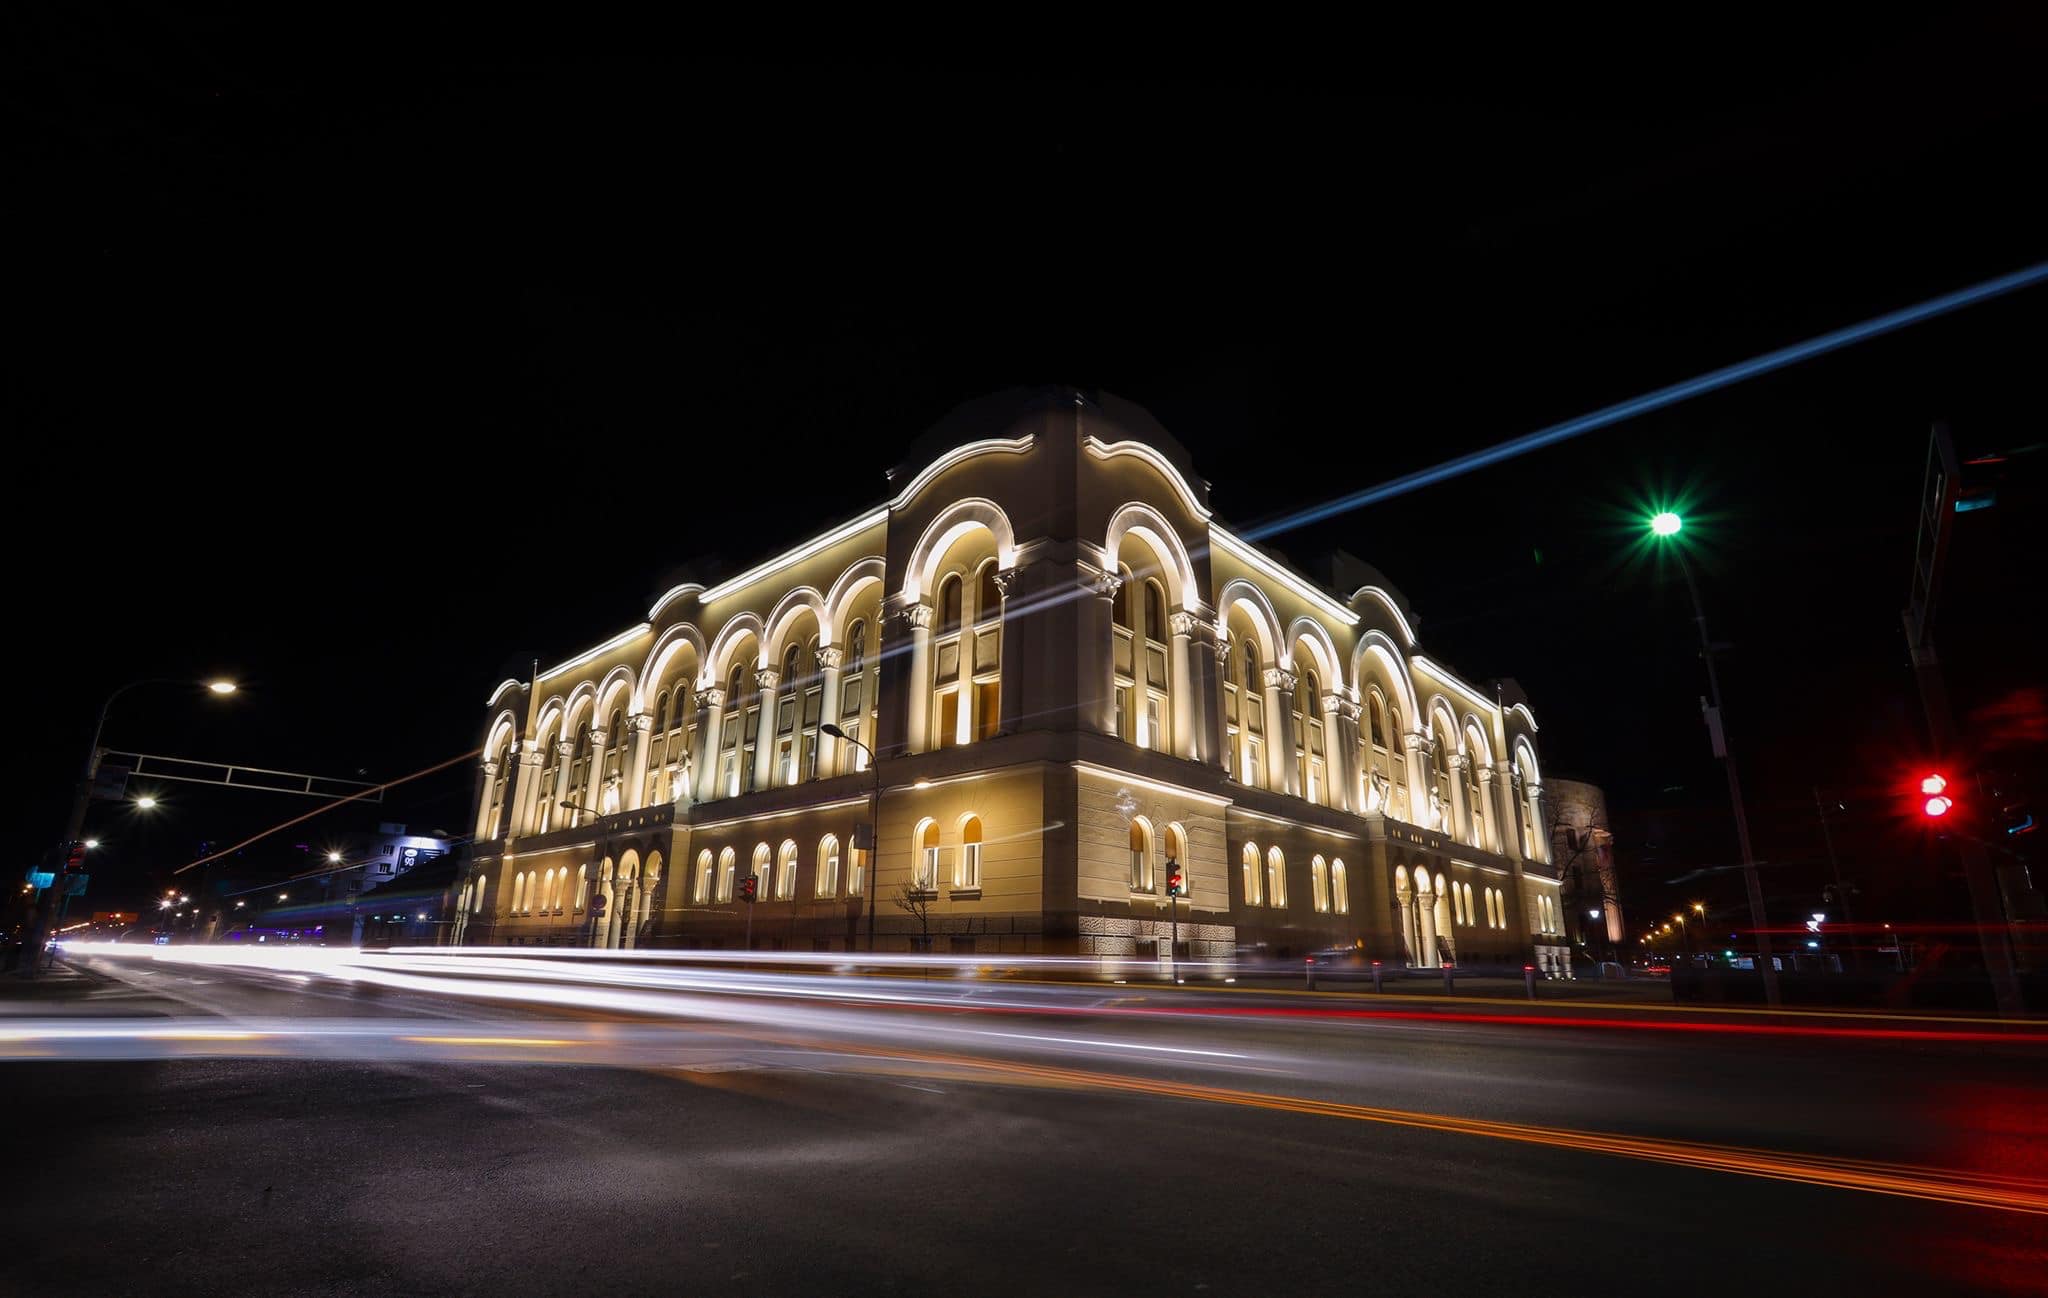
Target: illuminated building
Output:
[(1071, 673)]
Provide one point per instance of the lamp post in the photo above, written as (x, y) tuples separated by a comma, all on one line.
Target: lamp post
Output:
[(1666, 526), (874, 823), (81, 800)]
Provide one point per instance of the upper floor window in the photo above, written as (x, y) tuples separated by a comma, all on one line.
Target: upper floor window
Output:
[(966, 659), (1141, 661)]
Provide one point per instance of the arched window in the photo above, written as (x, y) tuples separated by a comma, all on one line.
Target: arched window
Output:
[(1254, 752), (854, 691), (1340, 887), (762, 868), (547, 891), (1249, 867), (988, 596), (701, 893), (550, 774), (1141, 854), (479, 901), (1177, 847), (582, 887), (735, 748), (967, 866), (1155, 611), (1319, 883), (1276, 878), (926, 877), (828, 866), (949, 604), (579, 774), (1309, 755), (609, 797), (1470, 917), (785, 870), (1492, 909), (1120, 603), (728, 873), (518, 890)]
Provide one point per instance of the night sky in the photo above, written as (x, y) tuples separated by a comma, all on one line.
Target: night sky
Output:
[(369, 380)]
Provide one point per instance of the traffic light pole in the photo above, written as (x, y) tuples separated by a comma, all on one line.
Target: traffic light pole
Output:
[(1758, 919), (81, 798)]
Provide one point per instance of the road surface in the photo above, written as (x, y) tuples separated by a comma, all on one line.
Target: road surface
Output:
[(492, 1126)]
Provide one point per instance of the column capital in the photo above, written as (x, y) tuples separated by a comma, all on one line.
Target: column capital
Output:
[(640, 723), (565, 748), (597, 737), (767, 678), (1182, 622), (1006, 578), (1418, 742), (830, 657), (1343, 707), (711, 697), (530, 752), (1105, 584), (1223, 655), (1279, 678), (1458, 761), (490, 767), (918, 616)]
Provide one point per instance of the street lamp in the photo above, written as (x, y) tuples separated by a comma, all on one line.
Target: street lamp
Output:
[(1664, 526), (81, 799), (874, 822), (145, 803)]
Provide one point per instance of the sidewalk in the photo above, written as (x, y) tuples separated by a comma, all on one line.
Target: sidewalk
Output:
[(65, 990)]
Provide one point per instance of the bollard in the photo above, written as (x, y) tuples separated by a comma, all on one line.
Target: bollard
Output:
[(1447, 979), (1311, 962), (1529, 980), (1376, 976)]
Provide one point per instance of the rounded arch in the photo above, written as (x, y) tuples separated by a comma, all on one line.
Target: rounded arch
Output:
[(1525, 761), (629, 864), (1442, 719), (953, 522), (1322, 650), (1376, 651), (1139, 520), (618, 679), (1265, 622), (580, 698), (503, 728), (846, 593), (1402, 889), (788, 613), (550, 718), (1251, 863), (731, 637), (1475, 730), (1386, 600), (678, 639)]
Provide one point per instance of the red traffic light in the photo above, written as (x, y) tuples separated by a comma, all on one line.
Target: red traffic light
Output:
[(747, 887), (1934, 789)]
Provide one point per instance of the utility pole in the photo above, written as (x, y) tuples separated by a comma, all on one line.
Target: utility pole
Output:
[(1841, 889), (1930, 556)]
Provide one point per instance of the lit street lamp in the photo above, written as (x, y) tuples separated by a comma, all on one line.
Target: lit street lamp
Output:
[(1665, 526), (81, 800)]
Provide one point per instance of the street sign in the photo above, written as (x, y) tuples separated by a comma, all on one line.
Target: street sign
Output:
[(74, 884), (597, 904)]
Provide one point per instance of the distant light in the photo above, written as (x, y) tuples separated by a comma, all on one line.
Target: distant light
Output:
[(1666, 524), (222, 687), (420, 916), (240, 904), (1592, 914), (280, 896), (334, 856), (1813, 944), (91, 843), (145, 802), (922, 784)]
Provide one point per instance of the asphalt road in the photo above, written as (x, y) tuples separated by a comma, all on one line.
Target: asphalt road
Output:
[(1023, 1140)]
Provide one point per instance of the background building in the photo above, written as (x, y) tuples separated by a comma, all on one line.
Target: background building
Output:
[(1582, 846), (1071, 673)]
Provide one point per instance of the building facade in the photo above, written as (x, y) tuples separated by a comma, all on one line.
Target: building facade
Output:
[(1053, 671)]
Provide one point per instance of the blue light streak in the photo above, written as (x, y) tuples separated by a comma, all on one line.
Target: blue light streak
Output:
[(1662, 397)]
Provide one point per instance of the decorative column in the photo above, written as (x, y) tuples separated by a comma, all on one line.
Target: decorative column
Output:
[(1425, 925), (711, 711), (565, 751), (1097, 653), (635, 793), (1181, 687), (1421, 777), (483, 803), (528, 791), (830, 657), (917, 701), (1340, 742), (1461, 808), (1010, 650), (1507, 793), (1225, 756), (593, 787), (766, 679), (1280, 766)]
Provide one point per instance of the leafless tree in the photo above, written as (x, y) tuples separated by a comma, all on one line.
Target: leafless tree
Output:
[(916, 902)]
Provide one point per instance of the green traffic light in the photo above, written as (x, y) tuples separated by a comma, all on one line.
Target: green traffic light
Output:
[(1666, 524)]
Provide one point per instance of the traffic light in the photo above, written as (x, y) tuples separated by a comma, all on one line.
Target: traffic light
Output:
[(1934, 791), (750, 888), (1175, 883)]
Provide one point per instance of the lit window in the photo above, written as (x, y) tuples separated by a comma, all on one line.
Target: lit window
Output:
[(967, 870), (1141, 855), (1319, 883), (1340, 888), (927, 876), (1276, 879), (828, 866), (785, 871), (728, 873), (1253, 893)]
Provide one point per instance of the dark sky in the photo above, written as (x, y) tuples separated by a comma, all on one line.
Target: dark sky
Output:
[(365, 377)]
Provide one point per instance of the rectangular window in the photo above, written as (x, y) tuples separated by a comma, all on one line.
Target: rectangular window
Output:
[(967, 873), (987, 709), (1255, 764), (949, 718), (856, 874), (828, 872), (1155, 730), (1123, 712), (928, 869), (1141, 870)]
